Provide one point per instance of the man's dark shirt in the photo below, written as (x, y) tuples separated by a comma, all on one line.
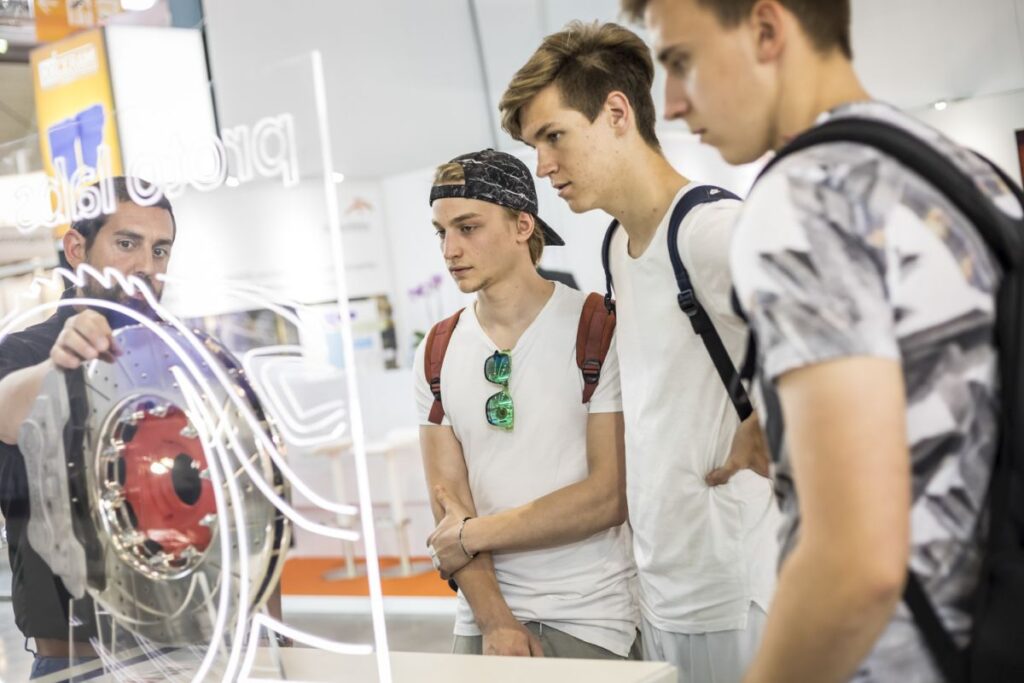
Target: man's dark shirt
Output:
[(40, 599)]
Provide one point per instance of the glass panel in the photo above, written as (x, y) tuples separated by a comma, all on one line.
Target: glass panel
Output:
[(214, 354)]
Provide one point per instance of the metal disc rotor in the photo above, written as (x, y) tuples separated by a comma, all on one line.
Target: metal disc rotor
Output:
[(151, 482)]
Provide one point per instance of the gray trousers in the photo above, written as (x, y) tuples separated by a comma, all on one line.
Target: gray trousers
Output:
[(717, 657), (555, 643)]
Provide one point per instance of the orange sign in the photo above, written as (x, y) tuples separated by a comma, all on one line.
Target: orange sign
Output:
[(56, 19), (75, 109)]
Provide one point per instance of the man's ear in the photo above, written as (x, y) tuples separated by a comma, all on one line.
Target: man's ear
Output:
[(525, 225), (768, 23), (74, 247), (619, 111)]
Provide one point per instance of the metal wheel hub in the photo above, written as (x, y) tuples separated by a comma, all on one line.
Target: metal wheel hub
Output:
[(156, 489)]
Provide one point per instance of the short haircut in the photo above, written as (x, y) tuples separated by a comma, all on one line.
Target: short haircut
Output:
[(90, 227), (586, 62), (826, 22), (452, 173)]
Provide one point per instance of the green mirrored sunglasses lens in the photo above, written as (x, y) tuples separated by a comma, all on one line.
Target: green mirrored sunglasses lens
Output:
[(498, 368), (500, 411)]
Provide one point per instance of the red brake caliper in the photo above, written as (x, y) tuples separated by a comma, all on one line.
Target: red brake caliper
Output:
[(166, 483)]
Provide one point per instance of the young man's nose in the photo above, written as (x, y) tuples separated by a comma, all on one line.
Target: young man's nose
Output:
[(677, 104), (450, 246), (545, 164)]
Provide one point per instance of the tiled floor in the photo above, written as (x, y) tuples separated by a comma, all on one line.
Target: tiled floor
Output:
[(419, 633)]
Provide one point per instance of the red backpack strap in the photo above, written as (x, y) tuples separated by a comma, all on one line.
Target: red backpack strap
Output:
[(433, 358), (593, 337)]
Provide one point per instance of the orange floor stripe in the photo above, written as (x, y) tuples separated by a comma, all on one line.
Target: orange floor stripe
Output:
[(304, 576)]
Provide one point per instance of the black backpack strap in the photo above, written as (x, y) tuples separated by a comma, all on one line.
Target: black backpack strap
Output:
[(688, 303), (996, 636), (606, 249), (949, 658), (749, 367)]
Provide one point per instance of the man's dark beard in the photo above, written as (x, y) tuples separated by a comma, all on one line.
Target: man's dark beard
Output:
[(116, 294)]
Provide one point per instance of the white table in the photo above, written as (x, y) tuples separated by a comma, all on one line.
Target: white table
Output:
[(316, 666)]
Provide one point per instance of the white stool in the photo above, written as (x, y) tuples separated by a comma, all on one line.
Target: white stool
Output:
[(388, 448)]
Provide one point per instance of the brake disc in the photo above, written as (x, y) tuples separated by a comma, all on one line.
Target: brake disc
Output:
[(150, 478)]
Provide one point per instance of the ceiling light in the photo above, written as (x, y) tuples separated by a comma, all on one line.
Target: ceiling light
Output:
[(940, 105), (137, 5), (232, 181), (338, 177)]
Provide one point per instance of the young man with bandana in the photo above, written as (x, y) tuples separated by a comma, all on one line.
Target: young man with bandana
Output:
[(526, 469)]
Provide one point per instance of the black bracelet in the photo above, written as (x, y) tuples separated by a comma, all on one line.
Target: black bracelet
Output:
[(461, 545)]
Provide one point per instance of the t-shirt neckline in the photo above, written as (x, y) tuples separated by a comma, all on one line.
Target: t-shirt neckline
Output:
[(528, 334), (660, 233)]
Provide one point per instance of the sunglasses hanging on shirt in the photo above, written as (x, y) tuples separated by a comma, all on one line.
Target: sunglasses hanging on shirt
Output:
[(499, 409)]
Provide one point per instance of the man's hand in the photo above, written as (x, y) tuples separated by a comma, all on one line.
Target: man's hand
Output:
[(749, 451), (445, 538), (512, 640), (86, 335)]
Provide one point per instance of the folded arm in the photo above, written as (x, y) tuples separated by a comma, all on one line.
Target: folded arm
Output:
[(570, 514), (445, 466)]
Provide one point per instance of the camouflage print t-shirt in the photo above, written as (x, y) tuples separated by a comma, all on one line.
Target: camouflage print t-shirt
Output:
[(843, 252)]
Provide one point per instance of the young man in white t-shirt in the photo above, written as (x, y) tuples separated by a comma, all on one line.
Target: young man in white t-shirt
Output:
[(515, 443), (704, 524)]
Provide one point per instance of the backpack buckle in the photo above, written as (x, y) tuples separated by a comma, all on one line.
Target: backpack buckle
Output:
[(435, 388), (591, 371), (687, 302)]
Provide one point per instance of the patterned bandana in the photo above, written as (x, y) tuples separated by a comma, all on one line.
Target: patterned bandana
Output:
[(501, 179)]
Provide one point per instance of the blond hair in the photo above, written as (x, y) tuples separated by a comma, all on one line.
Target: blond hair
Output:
[(586, 62), (452, 173)]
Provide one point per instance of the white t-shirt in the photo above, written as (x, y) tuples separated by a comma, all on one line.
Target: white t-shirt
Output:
[(703, 553), (588, 588)]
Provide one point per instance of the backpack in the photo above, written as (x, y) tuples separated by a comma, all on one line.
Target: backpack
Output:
[(593, 338), (686, 297), (995, 652)]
